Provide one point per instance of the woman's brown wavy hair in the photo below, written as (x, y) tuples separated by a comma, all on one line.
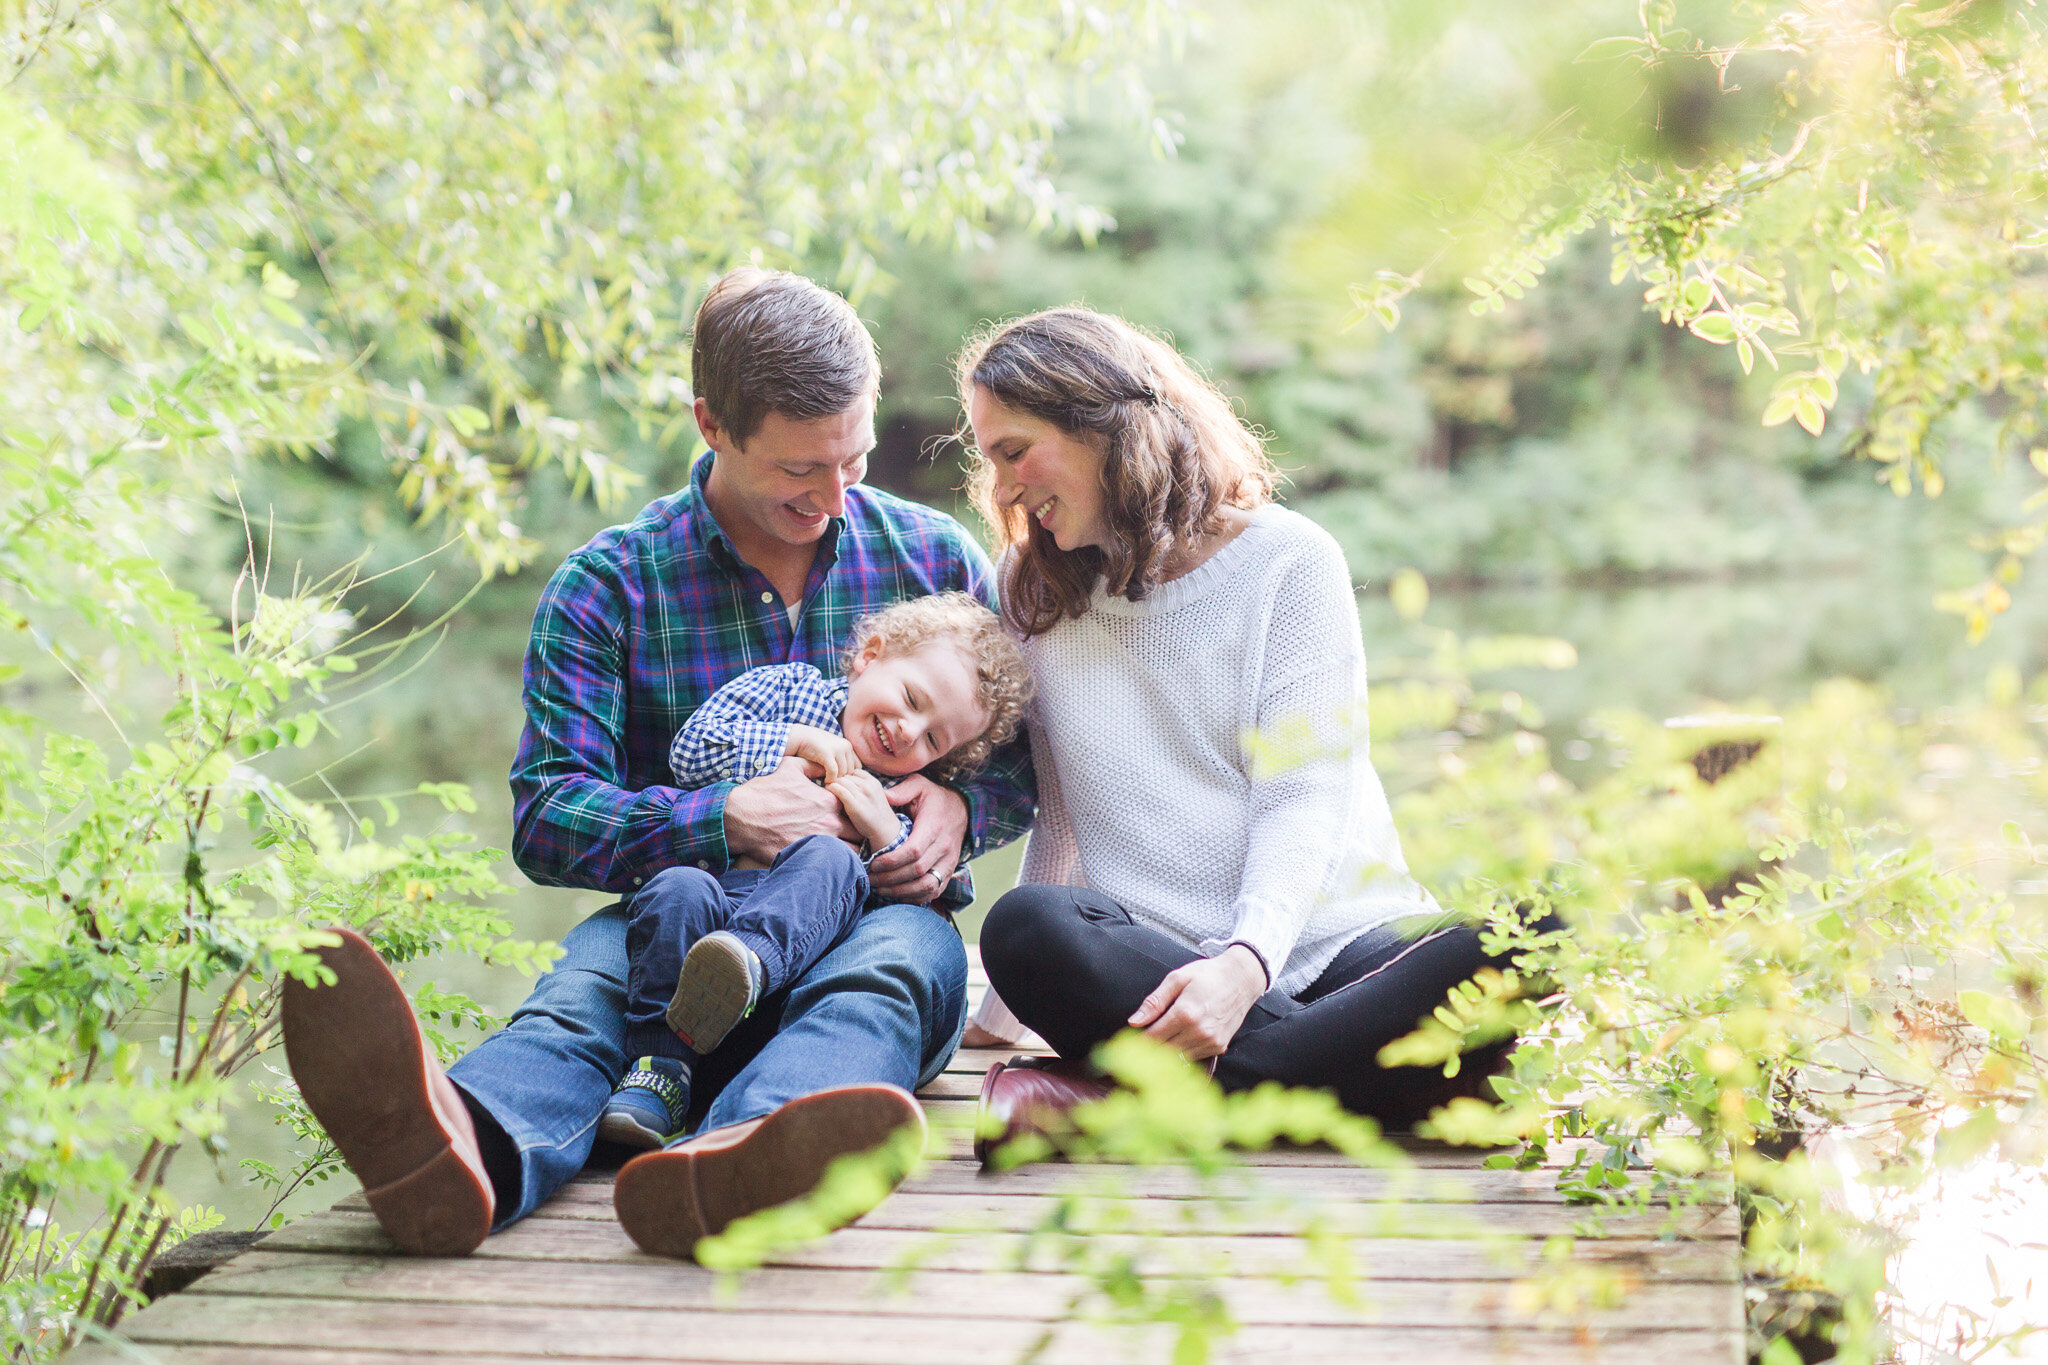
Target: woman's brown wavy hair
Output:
[(1174, 454)]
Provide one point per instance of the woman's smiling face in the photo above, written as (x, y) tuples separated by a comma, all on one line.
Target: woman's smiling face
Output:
[(905, 712), (1054, 476)]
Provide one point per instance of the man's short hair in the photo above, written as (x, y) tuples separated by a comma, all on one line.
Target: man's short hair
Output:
[(769, 341)]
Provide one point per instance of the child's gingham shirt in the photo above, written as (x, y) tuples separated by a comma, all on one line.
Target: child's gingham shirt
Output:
[(742, 731)]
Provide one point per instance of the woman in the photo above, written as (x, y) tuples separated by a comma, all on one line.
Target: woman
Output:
[(1214, 861)]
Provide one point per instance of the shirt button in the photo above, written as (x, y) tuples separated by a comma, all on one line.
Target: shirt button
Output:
[(638, 880), (767, 597), (703, 866)]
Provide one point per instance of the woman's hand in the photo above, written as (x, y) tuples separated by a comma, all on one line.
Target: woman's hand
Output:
[(1199, 1007)]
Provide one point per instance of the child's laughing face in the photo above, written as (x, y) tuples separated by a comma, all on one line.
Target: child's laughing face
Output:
[(904, 712)]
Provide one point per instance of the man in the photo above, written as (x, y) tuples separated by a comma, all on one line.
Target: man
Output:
[(768, 556)]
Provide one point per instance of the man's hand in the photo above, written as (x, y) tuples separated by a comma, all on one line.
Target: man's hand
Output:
[(867, 805), (1199, 1007), (915, 873), (829, 751), (771, 812)]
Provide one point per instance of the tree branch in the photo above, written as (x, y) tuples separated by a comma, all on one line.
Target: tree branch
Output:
[(279, 160)]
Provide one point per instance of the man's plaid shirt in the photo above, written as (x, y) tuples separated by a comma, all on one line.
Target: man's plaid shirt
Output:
[(638, 628), (743, 730)]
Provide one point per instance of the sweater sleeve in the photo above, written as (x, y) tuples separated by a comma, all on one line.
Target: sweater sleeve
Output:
[(1309, 729)]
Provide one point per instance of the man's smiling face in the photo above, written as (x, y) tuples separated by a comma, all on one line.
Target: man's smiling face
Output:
[(788, 479)]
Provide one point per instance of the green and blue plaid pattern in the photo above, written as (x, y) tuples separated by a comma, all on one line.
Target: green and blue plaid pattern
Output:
[(641, 626)]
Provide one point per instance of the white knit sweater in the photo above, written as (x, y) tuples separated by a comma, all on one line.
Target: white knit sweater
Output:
[(1201, 759)]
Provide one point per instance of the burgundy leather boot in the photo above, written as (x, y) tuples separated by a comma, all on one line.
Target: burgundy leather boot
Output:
[(1032, 1095)]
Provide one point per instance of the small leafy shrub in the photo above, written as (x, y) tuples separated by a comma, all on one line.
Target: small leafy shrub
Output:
[(143, 942)]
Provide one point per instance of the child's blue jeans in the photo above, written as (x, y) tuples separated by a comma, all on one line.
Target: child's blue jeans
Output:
[(791, 914)]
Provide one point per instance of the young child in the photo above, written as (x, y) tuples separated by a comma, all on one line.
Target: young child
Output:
[(932, 685)]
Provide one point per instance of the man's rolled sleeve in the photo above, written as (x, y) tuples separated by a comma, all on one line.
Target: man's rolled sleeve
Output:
[(697, 827)]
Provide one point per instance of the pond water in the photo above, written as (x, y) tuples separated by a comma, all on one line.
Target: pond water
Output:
[(1662, 650)]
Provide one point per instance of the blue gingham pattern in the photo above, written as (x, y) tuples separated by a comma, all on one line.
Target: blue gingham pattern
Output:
[(743, 731)]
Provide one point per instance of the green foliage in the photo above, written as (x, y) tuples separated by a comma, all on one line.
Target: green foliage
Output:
[(462, 227), (448, 250), (1570, 437), (1164, 1112), (1781, 970), (143, 953), (1837, 192), (1767, 975)]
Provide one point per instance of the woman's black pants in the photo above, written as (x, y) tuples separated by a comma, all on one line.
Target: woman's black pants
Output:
[(1073, 966)]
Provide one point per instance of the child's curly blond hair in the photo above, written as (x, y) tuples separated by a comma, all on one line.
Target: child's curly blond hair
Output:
[(1002, 684)]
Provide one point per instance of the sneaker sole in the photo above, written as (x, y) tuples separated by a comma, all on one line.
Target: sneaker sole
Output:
[(669, 1201), (628, 1131), (360, 1062), (712, 993)]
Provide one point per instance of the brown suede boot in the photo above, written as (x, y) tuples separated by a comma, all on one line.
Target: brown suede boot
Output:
[(670, 1200), (370, 1077)]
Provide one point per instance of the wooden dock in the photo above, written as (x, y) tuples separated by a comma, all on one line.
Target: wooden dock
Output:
[(1451, 1264)]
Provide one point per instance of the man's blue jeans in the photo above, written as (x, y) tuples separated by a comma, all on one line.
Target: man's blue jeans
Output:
[(887, 1004)]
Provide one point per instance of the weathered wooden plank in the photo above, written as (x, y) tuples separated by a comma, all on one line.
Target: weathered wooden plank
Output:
[(1026, 1297), (569, 1284), (961, 1080), (158, 1353), (975, 1060), (955, 1115), (952, 1085), (1423, 1185), (953, 1120), (1451, 1349), (998, 1211), (1022, 1212), (425, 1330), (171, 1271), (1417, 1156), (865, 1248)]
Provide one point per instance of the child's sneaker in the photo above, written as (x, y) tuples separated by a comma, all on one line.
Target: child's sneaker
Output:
[(720, 985), (650, 1105)]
